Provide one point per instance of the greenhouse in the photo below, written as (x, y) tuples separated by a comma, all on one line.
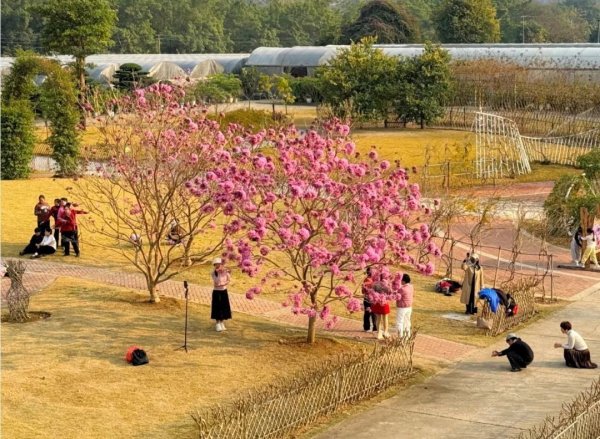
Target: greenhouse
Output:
[(581, 58), (159, 66), (582, 61)]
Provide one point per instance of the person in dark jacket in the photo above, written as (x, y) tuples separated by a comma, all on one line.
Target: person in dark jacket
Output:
[(518, 352), (369, 319), (36, 238)]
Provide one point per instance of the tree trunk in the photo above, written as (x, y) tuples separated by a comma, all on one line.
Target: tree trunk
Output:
[(82, 96), (312, 330), (422, 123), (154, 295)]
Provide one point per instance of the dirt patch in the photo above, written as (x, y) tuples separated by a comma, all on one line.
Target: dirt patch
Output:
[(34, 316)]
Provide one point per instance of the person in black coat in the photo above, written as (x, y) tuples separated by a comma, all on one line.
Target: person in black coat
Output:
[(36, 238), (518, 352)]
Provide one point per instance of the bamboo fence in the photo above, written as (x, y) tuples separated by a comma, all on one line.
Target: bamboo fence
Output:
[(280, 410), (507, 269), (499, 321), (579, 419)]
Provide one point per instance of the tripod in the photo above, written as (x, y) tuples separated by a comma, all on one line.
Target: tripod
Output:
[(185, 285)]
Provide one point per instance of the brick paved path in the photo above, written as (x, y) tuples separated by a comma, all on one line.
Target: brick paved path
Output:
[(40, 273)]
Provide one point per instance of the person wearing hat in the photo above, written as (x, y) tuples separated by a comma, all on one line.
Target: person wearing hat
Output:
[(220, 309), (472, 282), (518, 352)]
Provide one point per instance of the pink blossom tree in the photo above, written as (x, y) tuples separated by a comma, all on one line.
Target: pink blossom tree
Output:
[(314, 211), (158, 149)]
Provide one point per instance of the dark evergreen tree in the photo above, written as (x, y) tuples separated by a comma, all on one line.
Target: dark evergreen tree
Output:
[(391, 24)]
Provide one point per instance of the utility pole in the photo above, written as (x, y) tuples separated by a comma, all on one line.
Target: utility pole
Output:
[(158, 43), (523, 17), (598, 34)]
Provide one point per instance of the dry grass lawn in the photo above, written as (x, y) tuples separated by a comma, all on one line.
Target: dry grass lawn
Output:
[(65, 377)]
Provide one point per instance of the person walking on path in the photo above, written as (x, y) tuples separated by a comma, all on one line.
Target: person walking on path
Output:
[(369, 318), (47, 246), (42, 211), (220, 309), (590, 249), (576, 351), (518, 352), (404, 307), (34, 241), (472, 282), (576, 245)]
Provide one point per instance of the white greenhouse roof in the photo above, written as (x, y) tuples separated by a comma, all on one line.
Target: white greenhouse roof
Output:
[(552, 56), (277, 59)]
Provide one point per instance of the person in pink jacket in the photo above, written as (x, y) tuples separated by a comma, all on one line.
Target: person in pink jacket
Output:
[(404, 307)]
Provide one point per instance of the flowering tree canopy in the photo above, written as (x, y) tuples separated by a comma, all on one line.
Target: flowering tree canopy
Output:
[(156, 145), (312, 210)]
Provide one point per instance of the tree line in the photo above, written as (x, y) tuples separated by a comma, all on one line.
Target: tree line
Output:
[(196, 26)]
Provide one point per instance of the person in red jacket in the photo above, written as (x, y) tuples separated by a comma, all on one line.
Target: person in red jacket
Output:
[(54, 214), (68, 228), (42, 211)]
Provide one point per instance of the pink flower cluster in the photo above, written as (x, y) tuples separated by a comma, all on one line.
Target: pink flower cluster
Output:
[(306, 202)]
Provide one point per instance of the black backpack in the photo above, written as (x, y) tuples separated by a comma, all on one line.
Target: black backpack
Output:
[(139, 357)]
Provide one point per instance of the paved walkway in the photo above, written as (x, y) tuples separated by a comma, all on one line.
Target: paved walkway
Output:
[(478, 397), (40, 273)]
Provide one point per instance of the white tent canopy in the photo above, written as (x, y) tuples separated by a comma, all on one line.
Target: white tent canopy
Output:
[(103, 73)]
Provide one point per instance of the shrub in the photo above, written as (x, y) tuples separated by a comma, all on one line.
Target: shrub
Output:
[(306, 88), (562, 207), (17, 139), (131, 76), (250, 79), (219, 88), (590, 163), (59, 105), (251, 119)]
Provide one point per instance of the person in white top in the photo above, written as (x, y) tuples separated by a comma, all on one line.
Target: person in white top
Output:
[(576, 351), (590, 249), (47, 246), (220, 309)]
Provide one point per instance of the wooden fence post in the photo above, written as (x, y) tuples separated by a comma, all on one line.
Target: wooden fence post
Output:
[(551, 278), (497, 265)]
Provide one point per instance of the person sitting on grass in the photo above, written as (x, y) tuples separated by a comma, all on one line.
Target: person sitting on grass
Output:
[(518, 352), (576, 352), (36, 238), (175, 233), (47, 246)]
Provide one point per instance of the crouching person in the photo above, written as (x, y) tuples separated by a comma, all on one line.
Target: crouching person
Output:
[(518, 352), (576, 350)]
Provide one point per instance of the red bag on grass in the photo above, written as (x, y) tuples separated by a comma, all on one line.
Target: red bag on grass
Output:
[(129, 354)]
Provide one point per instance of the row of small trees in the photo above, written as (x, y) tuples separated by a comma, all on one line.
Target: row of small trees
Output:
[(361, 83), (305, 209)]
